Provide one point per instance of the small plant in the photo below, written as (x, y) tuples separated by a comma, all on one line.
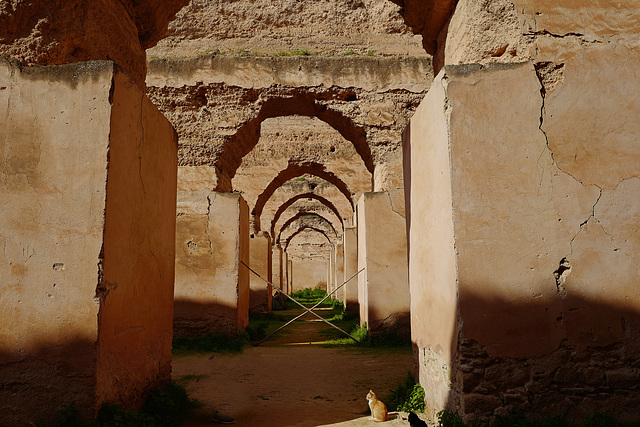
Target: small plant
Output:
[(349, 52), (408, 396), (371, 53), (361, 333), (447, 418), (303, 52), (296, 52)]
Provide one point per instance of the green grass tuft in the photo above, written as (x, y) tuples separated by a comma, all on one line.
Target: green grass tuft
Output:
[(408, 396)]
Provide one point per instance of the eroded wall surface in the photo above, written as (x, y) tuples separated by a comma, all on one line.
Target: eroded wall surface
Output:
[(78, 143), (432, 257), (212, 287), (543, 224)]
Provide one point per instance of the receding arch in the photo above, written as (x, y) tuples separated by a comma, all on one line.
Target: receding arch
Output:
[(294, 199), (300, 230), (298, 104), (305, 214), (293, 171)]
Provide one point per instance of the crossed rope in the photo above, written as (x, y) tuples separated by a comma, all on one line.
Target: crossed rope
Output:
[(307, 310)]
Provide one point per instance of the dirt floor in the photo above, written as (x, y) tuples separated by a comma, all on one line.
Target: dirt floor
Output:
[(291, 380)]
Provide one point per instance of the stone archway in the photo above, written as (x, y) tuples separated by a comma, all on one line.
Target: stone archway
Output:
[(294, 171), (292, 200)]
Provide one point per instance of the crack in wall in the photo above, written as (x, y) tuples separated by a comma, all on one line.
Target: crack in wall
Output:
[(206, 231), (579, 36)]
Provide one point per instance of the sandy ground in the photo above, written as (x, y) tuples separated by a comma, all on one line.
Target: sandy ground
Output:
[(292, 382)]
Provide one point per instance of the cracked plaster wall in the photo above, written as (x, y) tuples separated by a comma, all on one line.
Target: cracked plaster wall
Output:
[(79, 183), (544, 203), (503, 31)]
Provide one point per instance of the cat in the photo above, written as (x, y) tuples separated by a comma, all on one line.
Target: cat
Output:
[(414, 421), (378, 409)]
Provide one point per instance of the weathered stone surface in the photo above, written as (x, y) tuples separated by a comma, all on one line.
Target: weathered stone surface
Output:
[(281, 26), (427, 17), (219, 124), (62, 32), (521, 212), (212, 287), (87, 216)]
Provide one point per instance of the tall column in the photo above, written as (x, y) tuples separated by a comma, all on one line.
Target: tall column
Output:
[(276, 266), (382, 251), (261, 292), (339, 271), (212, 286), (350, 249), (87, 208), (290, 275)]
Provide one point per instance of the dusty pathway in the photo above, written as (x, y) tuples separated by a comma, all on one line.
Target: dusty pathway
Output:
[(289, 382)]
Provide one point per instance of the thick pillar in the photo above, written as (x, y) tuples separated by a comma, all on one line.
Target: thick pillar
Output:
[(212, 286), (87, 222), (261, 291), (383, 287), (276, 266), (339, 271), (290, 275), (524, 236), (284, 279), (350, 249)]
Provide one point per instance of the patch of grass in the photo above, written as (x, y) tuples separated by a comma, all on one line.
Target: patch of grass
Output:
[(450, 419), (296, 52), (371, 53), (390, 339), (349, 52), (165, 406), (408, 396), (311, 296), (211, 342)]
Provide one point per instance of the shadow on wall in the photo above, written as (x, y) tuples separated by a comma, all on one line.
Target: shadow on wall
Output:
[(196, 318), (35, 384), (544, 355)]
